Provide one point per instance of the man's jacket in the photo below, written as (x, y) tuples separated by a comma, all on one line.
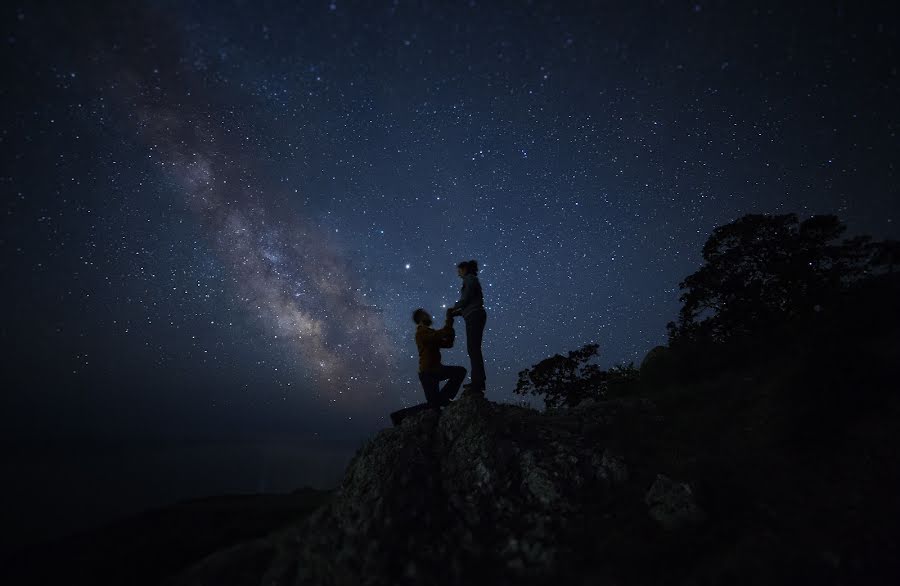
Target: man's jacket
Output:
[(430, 341)]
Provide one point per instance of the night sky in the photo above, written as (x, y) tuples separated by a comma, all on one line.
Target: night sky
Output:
[(218, 217)]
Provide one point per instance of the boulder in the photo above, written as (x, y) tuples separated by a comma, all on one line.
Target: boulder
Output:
[(672, 503)]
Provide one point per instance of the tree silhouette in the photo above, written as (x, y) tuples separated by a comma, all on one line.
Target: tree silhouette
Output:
[(762, 269), (563, 380)]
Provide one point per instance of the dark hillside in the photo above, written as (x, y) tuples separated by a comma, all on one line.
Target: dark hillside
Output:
[(147, 548)]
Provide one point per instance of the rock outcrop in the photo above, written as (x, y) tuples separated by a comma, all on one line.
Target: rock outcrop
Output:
[(672, 503), (477, 493)]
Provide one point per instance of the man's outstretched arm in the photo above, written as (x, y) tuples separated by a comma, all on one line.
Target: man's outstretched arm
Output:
[(442, 338), (446, 334)]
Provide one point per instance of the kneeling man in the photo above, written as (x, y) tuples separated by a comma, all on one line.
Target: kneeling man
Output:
[(431, 372)]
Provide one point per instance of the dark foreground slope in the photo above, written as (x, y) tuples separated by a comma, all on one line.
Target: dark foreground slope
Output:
[(148, 548)]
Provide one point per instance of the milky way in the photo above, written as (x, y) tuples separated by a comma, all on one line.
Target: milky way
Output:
[(282, 266)]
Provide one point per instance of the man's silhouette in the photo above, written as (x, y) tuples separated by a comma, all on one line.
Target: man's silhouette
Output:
[(431, 372)]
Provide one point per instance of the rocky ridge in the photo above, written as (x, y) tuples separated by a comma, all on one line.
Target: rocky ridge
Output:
[(479, 492)]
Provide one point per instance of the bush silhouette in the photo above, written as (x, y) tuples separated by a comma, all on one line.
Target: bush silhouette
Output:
[(565, 381)]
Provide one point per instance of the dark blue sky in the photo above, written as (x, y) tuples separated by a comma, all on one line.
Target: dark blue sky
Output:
[(219, 216)]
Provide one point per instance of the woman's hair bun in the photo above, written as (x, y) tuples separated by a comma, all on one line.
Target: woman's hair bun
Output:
[(471, 266)]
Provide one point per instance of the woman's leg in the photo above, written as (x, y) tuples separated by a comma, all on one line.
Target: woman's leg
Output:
[(474, 333)]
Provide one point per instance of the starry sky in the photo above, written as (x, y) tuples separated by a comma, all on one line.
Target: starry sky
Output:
[(219, 216)]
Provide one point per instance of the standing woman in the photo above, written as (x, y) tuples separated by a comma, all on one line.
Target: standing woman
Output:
[(471, 307)]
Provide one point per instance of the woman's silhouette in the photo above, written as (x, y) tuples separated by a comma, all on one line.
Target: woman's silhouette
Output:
[(471, 307)]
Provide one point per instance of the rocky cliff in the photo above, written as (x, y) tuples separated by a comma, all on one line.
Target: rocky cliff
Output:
[(710, 484), (478, 493)]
